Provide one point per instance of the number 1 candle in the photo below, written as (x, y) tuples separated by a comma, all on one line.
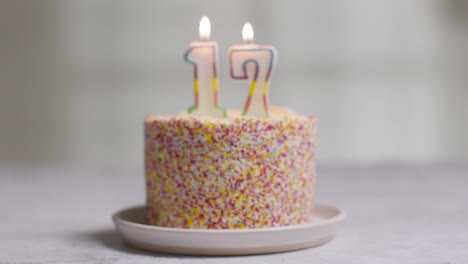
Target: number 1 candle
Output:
[(253, 63), (203, 55)]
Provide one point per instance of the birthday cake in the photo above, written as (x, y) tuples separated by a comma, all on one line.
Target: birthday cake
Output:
[(230, 173)]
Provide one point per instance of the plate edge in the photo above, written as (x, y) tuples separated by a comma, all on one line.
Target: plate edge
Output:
[(228, 251), (120, 221)]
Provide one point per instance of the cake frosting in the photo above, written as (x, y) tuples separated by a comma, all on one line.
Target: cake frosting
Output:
[(234, 172)]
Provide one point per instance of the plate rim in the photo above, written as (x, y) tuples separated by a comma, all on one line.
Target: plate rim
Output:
[(118, 220)]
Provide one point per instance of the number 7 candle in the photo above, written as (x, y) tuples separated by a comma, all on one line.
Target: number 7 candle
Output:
[(255, 64), (203, 55)]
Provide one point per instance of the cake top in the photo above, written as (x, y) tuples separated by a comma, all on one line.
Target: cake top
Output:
[(233, 116)]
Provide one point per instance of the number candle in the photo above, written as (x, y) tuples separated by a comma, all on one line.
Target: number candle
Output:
[(203, 55), (253, 63)]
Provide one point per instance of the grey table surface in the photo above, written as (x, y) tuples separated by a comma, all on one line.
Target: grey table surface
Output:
[(396, 214)]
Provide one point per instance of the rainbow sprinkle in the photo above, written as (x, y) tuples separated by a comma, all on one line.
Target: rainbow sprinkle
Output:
[(237, 172)]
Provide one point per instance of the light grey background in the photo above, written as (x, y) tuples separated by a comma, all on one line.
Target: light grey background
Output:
[(387, 79)]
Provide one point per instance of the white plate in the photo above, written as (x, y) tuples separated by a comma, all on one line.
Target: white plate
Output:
[(132, 226)]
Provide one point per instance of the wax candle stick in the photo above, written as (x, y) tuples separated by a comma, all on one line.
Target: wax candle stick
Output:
[(254, 63), (203, 55)]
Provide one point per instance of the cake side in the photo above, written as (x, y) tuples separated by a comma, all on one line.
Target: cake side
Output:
[(237, 172)]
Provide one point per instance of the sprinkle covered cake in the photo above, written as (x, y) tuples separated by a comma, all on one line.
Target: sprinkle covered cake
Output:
[(234, 172)]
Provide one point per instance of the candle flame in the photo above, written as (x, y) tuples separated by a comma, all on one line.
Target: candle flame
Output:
[(205, 28), (247, 33)]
